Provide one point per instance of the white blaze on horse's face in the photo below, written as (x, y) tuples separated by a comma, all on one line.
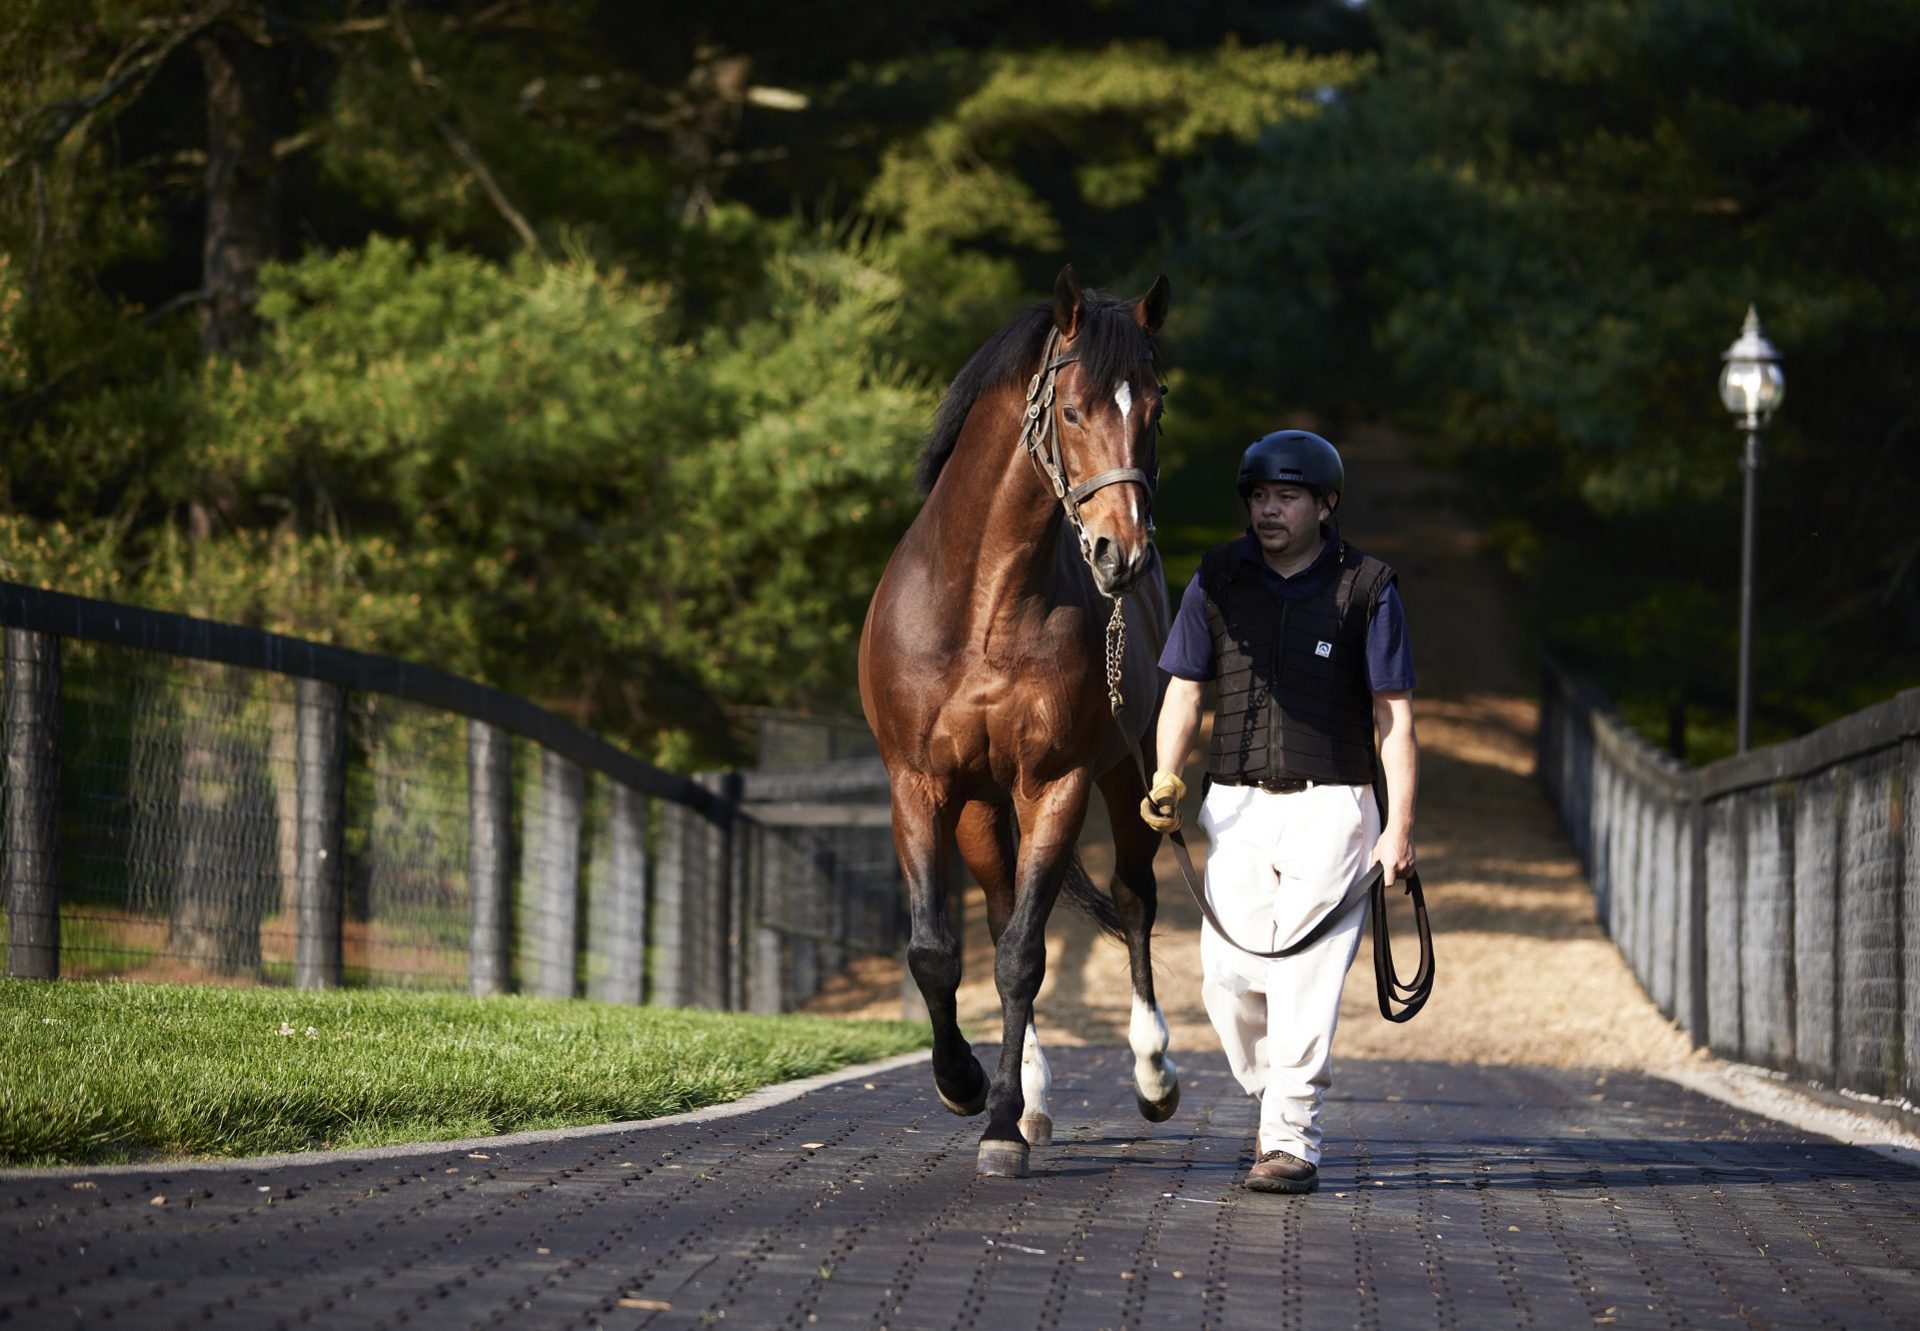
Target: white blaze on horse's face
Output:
[(1115, 516)]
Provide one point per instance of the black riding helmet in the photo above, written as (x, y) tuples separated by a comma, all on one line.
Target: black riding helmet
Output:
[(1298, 456)]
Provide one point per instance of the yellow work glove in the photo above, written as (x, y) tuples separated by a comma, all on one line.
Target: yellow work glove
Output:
[(1160, 810)]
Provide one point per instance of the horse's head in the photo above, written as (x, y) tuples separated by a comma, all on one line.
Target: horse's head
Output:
[(1107, 398)]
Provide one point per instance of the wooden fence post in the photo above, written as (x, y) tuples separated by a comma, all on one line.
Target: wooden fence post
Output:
[(32, 873), (320, 874), (1817, 834), (556, 920), (733, 882), (674, 827), (617, 905), (1909, 781), (1870, 1036), (1694, 934), (693, 896), (767, 868), (709, 898), (489, 851)]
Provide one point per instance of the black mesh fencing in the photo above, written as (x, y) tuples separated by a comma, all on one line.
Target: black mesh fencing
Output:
[(407, 838), (817, 845), (1770, 902), (785, 740), (172, 791), (186, 801)]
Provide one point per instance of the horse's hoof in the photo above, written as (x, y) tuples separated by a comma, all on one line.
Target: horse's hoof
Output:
[(1158, 1111), (1037, 1129), (975, 1101), (1000, 1159)]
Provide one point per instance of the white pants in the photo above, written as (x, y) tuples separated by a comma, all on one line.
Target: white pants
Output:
[(1277, 865)]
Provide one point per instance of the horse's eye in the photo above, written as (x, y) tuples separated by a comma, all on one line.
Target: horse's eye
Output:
[(1164, 390), (1073, 417)]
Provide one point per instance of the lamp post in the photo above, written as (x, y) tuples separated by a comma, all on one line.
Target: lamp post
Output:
[(1752, 387)]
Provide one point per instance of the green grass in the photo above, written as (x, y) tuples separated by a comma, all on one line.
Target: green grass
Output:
[(104, 1072)]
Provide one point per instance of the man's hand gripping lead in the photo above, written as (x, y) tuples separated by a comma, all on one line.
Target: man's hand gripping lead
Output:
[(1160, 810)]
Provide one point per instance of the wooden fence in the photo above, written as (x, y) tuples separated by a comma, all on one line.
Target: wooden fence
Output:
[(1769, 902), (192, 800)]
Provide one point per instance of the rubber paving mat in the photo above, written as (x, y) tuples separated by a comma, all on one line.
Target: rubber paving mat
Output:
[(1451, 1196)]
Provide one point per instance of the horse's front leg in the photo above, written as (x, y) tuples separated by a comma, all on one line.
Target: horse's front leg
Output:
[(984, 833), (1050, 825), (920, 829), (1036, 1086), (1136, 895)]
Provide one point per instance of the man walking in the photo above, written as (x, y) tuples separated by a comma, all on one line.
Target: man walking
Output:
[(1306, 641)]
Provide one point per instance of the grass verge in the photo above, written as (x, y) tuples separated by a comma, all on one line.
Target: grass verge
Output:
[(94, 1073)]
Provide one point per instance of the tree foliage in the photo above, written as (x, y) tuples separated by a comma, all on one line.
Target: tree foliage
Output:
[(434, 327), (1045, 133), (583, 347), (523, 472), (1531, 232)]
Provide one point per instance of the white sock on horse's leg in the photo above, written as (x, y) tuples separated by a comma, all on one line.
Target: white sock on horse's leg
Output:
[(1036, 1082), (1154, 1075)]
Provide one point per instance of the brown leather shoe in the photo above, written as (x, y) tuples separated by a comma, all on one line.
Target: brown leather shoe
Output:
[(1277, 1171)]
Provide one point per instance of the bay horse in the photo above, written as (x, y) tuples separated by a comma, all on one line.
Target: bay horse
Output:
[(984, 675)]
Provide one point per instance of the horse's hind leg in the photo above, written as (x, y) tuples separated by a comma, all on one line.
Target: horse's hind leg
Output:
[(984, 834), (933, 953), (1156, 1082)]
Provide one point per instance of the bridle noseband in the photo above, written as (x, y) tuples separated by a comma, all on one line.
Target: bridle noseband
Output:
[(1040, 436)]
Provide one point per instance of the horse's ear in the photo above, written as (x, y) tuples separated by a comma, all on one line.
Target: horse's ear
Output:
[(1066, 302), (1151, 311)]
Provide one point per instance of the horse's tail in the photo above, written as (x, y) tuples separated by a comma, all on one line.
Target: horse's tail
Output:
[(1079, 891)]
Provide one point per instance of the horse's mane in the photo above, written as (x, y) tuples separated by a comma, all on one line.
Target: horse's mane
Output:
[(1112, 346)]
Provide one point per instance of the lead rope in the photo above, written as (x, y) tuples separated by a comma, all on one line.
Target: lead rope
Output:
[(1389, 988)]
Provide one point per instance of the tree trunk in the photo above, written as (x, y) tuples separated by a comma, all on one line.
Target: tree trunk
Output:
[(702, 116), (242, 185)]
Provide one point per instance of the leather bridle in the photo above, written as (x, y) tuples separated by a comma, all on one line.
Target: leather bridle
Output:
[(1040, 437)]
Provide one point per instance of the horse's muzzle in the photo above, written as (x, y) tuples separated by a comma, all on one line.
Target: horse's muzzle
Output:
[(1115, 572)]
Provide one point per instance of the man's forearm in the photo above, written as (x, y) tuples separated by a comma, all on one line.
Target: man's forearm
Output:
[(1399, 757), (1179, 723), (1400, 760)]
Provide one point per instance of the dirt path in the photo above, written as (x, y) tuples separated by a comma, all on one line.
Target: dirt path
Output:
[(1524, 975)]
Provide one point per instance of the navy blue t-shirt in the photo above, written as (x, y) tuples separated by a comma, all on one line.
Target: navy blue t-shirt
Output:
[(1189, 650)]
